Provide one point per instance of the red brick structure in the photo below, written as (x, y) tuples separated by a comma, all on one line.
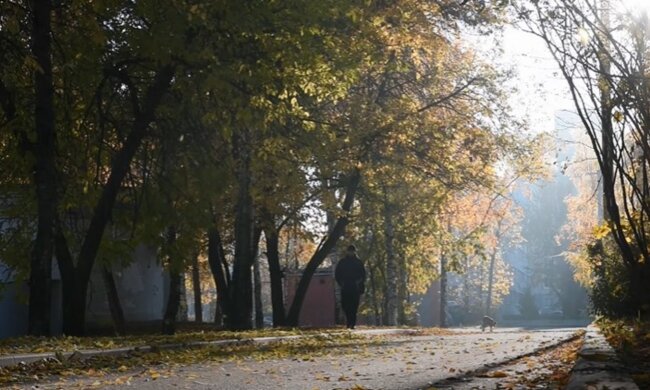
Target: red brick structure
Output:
[(319, 306)]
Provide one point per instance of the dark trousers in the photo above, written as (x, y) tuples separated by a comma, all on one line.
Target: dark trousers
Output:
[(350, 302)]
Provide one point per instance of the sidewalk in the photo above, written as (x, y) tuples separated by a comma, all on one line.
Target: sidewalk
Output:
[(598, 367), (26, 358)]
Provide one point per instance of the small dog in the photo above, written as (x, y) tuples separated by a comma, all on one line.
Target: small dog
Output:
[(488, 322)]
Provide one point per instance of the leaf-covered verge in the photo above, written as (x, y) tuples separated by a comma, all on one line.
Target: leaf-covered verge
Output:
[(31, 344), (545, 369), (631, 340), (548, 369), (157, 362)]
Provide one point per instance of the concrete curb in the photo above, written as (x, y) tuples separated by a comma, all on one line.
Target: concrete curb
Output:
[(27, 358), (598, 367)]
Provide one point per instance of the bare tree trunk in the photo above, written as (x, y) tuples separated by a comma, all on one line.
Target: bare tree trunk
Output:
[(607, 130), (174, 296), (375, 298), (114, 304), (402, 292), (173, 301), (330, 218), (218, 315), (182, 300), (466, 291), (259, 308), (443, 291), (391, 267), (241, 287), (77, 276), (257, 280), (221, 275), (276, 274), (196, 284), (488, 305), (44, 172), (611, 209)]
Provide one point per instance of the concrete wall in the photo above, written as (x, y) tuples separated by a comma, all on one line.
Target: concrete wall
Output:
[(13, 310), (142, 289)]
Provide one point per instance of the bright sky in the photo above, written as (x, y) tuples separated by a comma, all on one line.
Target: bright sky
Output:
[(637, 5), (540, 92), (542, 89)]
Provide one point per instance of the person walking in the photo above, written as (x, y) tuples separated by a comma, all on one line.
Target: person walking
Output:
[(350, 276)]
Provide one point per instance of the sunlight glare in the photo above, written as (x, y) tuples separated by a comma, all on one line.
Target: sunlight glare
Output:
[(636, 6), (583, 36)]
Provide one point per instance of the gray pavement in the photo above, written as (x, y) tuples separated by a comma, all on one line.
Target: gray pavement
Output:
[(598, 366), (402, 362)]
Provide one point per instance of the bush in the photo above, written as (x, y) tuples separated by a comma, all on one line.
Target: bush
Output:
[(610, 295)]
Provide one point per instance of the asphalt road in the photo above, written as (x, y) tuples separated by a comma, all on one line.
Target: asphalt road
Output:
[(409, 362)]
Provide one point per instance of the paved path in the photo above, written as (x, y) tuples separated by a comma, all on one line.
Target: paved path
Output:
[(407, 362)]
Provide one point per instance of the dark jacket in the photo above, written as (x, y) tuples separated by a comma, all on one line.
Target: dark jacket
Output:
[(350, 273)]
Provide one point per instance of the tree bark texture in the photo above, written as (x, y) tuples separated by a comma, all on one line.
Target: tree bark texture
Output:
[(402, 292), (173, 302), (276, 275), (611, 210), (443, 291), (257, 280), (241, 291), (114, 304), (196, 285), (182, 304), (391, 267), (220, 273), (375, 298), (74, 295), (44, 172), (259, 307), (175, 280), (488, 304)]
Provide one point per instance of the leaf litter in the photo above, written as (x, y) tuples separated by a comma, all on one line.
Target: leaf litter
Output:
[(161, 363), (546, 369)]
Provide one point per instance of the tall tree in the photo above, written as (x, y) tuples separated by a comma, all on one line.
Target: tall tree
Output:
[(45, 174), (114, 303), (76, 274), (257, 287), (601, 65), (196, 288)]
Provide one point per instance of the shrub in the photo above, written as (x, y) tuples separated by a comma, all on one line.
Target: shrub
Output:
[(610, 294)]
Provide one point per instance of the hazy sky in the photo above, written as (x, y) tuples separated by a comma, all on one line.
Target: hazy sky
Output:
[(542, 89)]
